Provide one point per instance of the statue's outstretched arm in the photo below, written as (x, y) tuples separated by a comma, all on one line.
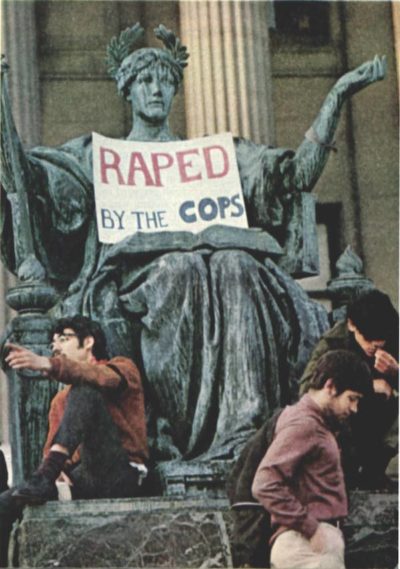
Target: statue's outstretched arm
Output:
[(312, 154)]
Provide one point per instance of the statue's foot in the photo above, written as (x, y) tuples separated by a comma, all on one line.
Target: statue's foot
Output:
[(225, 450)]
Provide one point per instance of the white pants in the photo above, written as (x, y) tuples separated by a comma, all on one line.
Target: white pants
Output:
[(291, 550)]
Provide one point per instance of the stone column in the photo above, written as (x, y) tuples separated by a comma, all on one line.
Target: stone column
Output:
[(396, 30), (228, 88), (18, 43), (228, 81), (20, 48), (29, 394)]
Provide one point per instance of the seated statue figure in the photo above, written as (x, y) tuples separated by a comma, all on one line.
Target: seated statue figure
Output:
[(222, 331)]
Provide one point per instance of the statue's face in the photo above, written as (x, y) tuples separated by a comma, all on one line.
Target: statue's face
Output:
[(152, 93)]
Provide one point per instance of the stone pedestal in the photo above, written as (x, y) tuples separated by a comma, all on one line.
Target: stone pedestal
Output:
[(162, 532), (194, 479), (371, 531), (125, 533)]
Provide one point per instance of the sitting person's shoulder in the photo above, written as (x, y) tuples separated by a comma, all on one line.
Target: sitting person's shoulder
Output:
[(124, 366), (338, 330)]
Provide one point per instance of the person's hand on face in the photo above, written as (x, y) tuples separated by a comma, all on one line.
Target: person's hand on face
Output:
[(385, 363)]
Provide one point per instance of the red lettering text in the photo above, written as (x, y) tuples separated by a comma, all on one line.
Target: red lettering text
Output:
[(183, 166), (138, 164), (113, 164), (158, 165), (211, 171)]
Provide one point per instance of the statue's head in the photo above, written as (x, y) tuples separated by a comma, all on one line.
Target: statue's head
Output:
[(146, 59), (125, 65)]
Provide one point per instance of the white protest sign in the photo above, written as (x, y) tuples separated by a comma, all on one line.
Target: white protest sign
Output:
[(165, 186)]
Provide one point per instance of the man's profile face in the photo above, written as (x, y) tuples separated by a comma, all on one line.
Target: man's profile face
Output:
[(67, 344), (152, 93), (341, 407), (369, 347)]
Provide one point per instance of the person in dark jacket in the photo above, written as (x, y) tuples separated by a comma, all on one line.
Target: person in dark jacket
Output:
[(371, 331)]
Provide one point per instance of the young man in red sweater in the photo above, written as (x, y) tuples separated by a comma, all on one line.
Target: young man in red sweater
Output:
[(97, 430)]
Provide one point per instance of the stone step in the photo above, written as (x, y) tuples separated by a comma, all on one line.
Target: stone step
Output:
[(181, 533)]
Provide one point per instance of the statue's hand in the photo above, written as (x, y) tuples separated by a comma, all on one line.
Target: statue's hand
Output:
[(31, 270), (362, 76)]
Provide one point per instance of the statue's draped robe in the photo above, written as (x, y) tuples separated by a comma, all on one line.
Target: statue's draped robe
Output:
[(221, 332)]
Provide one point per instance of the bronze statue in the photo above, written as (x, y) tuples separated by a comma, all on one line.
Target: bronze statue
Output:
[(221, 329)]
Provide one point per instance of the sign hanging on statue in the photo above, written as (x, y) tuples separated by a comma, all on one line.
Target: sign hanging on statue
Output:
[(183, 185)]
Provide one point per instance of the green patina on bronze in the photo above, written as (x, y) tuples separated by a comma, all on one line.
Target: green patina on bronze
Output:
[(216, 321)]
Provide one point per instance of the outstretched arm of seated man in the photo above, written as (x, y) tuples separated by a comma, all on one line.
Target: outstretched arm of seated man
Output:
[(22, 358), (68, 371)]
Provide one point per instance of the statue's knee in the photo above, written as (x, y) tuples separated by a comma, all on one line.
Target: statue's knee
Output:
[(233, 264), (185, 267)]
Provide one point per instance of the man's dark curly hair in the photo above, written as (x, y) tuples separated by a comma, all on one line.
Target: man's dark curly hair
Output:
[(84, 327), (374, 316), (347, 370)]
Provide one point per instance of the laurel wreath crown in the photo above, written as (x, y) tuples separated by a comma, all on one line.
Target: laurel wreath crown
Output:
[(121, 46), (173, 45)]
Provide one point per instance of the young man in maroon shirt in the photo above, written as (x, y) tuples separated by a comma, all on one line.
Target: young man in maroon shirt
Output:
[(300, 480)]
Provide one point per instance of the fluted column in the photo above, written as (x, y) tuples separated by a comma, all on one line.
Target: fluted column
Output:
[(396, 30), (228, 81), (20, 48), (19, 45)]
